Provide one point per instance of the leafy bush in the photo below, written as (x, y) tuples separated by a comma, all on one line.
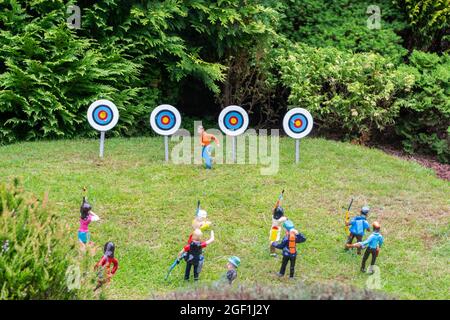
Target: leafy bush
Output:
[(34, 250), (428, 24), (351, 95), (342, 24), (49, 76), (424, 121), (135, 53)]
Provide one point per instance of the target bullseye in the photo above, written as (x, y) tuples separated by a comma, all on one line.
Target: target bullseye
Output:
[(103, 115), (298, 123), (165, 120), (233, 120)]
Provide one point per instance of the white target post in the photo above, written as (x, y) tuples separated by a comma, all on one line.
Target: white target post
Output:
[(102, 115), (165, 120), (298, 123), (233, 121)]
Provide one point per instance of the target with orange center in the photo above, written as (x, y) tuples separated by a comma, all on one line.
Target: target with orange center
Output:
[(165, 120), (298, 123), (233, 120), (102, 115)]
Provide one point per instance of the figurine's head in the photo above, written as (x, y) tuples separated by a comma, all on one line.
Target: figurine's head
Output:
[(197, 235), (202, 214), (376, 226), (108, 250), (288, 225), (233, 263), (278, 212), (85, 209), (200, 129), (365, 210)]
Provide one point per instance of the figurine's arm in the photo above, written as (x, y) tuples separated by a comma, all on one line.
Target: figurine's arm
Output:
[(99, 263), (94, 216), (116, 266), (280, 245), (210, 240), (185, 249), (213, 137)]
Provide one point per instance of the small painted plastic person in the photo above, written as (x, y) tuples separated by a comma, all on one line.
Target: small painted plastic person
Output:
[(232, 266), (205, 141), (200, 222), (86, 217), (372, 245), (289, 247), (193, 254), (278, 218), (358, 225), (104, 265)]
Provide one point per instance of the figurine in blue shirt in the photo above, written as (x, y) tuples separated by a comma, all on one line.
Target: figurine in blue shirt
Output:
[(358, 225), (373, 244), (289, 247)]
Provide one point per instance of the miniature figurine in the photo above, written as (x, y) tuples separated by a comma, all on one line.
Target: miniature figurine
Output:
[(288, 245), (200, 221), (86, 216), (232, 265), (194, 255), (277, 219), (205, 141), (373, 244), (108, 259), (357, 227)]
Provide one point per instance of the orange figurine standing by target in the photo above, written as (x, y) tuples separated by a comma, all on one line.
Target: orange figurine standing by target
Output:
[(205, 141), (278, 218)]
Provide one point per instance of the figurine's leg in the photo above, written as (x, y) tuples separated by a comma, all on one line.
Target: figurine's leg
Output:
[(292, 266), (365, 257), (374, 259), (283, 265), (200, 264), (196, 272), (208, 157), (82, 240), (187, 271), (359, 239), (349, 240)]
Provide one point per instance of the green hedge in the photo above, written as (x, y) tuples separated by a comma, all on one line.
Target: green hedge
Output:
[(359, 96), (35, 252)]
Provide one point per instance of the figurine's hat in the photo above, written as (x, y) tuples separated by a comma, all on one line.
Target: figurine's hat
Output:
[(235, 261)]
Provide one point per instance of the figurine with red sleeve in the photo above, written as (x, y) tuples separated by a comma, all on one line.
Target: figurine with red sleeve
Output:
[(106, 272)]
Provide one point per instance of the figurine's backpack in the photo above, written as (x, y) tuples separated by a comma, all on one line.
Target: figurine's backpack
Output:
[(194, 253)]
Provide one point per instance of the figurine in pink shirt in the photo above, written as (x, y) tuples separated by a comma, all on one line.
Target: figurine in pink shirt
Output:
[(86, 216)]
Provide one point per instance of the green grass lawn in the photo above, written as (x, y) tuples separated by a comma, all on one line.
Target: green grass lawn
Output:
[(147, 206)]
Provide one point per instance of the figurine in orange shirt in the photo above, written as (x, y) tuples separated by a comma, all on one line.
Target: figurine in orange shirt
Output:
[(205, 141)]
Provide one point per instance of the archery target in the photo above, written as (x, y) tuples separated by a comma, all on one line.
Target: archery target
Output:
[(103, 115), (165, 120), (233, 120), (298, 123)]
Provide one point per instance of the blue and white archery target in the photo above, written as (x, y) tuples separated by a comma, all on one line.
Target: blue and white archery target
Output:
[(233, 120), (103, 115), (165, 120), (298, 123)]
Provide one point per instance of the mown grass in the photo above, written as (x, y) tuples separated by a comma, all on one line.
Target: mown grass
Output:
[(147, 207)]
